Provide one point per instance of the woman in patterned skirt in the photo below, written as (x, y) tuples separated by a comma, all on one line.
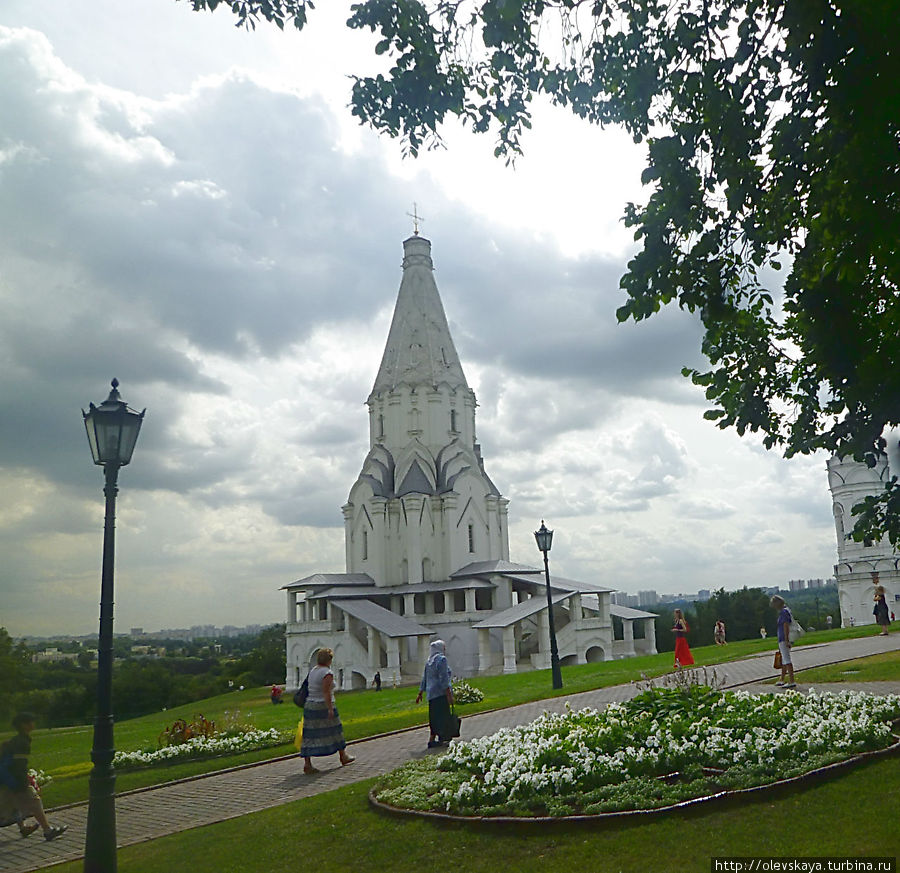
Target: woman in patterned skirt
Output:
[(323, 733)]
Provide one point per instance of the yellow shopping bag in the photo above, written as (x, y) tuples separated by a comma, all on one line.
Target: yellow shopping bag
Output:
[(298, 739)]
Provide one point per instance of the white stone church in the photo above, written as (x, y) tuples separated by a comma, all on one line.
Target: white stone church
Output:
[(426, 537)]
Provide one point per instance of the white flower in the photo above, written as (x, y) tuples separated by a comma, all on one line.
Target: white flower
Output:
[(199, 747)]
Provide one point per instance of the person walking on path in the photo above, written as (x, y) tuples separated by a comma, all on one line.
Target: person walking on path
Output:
[(882, 618), (784, 642), (683, 656), (19, 799), (323, 733), (377, 680), (435, 685)]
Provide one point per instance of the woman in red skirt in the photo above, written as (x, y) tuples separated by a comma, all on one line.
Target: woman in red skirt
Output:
[(683, 656)]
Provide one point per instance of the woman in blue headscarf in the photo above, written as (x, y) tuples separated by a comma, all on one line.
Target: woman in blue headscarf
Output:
[(435, 686)]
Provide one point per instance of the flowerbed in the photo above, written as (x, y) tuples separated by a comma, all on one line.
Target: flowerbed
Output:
[(204, 747), (662, 747)]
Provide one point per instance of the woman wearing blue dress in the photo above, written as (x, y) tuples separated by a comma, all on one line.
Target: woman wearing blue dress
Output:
[(435, 686)]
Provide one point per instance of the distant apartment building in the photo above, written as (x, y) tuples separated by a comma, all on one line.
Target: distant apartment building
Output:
[(704, 594), (623, 598), (148, 651), (796, 584), (647, 598), (53, 655)]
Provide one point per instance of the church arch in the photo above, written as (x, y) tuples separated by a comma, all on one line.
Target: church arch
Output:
[(415, 469), (839, 522), (595, 654)]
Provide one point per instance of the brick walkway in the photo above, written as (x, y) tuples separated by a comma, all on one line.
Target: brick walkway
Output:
[(150, 813)]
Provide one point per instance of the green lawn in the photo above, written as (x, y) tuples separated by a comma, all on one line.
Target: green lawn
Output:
[(850, 815), (876, 668), (65, 752)]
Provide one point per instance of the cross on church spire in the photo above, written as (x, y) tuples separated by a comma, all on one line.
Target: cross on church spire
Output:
[(414, 215)]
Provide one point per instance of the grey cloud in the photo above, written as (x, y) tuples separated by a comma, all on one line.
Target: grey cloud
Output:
[(705, 509), (522, 307)]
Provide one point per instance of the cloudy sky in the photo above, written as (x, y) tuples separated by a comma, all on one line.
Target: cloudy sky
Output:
[(191, 208)]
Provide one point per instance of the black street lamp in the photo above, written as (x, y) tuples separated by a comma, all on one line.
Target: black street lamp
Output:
[(112, 431), (544, 539)]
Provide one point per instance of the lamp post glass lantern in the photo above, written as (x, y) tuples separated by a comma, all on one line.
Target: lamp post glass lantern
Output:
[(544, 539), (112, 432)]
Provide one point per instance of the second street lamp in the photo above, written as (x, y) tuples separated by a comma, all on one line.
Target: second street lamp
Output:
[(544, 538), (112, 431)]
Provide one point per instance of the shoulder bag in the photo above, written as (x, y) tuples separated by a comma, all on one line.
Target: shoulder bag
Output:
[(302, 693), (454, 724)]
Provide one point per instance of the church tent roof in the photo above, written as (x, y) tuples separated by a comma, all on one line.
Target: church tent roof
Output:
[(521, 610), (419, 349), (383, 620)]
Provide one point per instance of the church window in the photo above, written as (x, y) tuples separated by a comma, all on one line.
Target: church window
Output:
[(365, 546), (419, 604), (471, 539), (459, 601), (484, 598), (380, 425), (453, 420)]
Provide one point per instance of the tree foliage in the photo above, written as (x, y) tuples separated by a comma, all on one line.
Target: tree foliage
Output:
[(65, 693), (249, 12), (772, 130), (744, 612)]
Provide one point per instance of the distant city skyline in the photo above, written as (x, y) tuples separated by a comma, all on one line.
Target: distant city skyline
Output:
[(206, 630)]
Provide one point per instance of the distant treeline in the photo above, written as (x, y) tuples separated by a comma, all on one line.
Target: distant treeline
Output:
[(744, 613), (64, 693)]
